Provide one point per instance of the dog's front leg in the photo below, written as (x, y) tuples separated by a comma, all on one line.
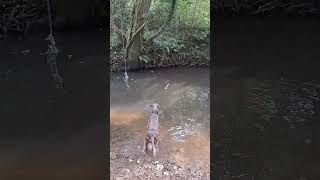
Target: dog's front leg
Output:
[(157, 144)]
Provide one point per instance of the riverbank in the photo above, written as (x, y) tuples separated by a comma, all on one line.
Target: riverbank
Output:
[(161, 61)]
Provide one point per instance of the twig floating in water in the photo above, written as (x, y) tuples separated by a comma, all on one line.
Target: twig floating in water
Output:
[(126, 79), (167, 86)]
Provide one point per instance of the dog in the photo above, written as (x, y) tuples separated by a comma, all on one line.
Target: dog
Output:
[(152, 140)]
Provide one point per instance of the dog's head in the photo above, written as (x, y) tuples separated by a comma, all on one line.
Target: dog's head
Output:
[(155, 108)]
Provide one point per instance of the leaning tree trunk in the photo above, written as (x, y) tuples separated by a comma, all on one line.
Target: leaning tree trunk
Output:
[(135, 38)]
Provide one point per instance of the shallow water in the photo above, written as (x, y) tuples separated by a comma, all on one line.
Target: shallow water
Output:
[(183, 95)]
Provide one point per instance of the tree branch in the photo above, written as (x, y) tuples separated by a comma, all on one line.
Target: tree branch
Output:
[(120, 34), (135, 34)]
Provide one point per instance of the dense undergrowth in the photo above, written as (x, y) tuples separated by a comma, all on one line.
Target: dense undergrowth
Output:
[(185, 41)]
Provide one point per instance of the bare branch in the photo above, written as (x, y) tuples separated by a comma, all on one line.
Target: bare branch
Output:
[(140, 28), (120, 34)]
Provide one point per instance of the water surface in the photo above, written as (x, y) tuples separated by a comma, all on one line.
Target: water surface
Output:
[(183, 95)]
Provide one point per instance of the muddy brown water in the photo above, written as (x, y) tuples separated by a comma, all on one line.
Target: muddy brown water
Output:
[(184, 97)]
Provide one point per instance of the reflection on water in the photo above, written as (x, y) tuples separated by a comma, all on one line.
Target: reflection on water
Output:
[(183, 95)]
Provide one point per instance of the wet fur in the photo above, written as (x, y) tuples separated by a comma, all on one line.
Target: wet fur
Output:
[(152, 141)]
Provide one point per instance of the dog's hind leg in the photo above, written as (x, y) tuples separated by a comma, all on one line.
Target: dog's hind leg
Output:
[(145, 146), (154, 150), (153, 146)]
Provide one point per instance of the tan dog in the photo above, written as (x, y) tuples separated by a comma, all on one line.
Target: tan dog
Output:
[(152, 139)]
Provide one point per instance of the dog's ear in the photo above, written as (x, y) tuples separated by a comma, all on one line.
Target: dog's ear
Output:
[(151, 105)]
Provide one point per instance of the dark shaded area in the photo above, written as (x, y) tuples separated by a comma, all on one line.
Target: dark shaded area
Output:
[(268, 7), (286, 46), (32, 15), (46, 133), (266, 104)]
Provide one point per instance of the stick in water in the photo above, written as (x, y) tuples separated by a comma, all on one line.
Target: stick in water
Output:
[(167, 86), (126, 77)]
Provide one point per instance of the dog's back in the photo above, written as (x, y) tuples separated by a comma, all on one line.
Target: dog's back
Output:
[(153, 129), (153, 125)]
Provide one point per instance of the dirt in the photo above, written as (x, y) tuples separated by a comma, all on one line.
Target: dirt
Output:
[(144, 167)]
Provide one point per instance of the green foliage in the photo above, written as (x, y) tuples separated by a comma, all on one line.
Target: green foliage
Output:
[(114, 41), (145, 58), (200, 35), (120, 11), (168, 43), (193, 13), (158, 13), (188, 13), (188, 30)]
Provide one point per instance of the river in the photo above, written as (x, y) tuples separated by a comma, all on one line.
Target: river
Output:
[(184, 98)]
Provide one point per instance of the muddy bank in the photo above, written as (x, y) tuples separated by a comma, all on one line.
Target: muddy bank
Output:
[(161, 61)]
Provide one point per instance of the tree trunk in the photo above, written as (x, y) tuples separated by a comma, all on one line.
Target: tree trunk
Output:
[(135, 38)]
